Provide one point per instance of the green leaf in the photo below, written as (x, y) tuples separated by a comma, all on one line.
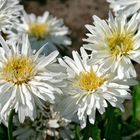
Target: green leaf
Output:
[(136, 101), (130, 129), (113, 124)]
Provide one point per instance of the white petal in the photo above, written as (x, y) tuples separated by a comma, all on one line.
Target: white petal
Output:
[(47, 60)]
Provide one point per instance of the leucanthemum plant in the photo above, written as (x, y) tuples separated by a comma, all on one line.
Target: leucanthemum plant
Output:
[(114, 43), (26, 79), (89, 90), (126, 7), (9, 13), (37, 89), (41, 29)]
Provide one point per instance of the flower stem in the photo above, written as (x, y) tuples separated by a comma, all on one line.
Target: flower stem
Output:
[(110, 116), (92, 131), (10, 125)]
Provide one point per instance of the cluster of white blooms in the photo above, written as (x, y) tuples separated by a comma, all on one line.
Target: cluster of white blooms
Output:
[(32, 76), (105, 74), (48, 124)]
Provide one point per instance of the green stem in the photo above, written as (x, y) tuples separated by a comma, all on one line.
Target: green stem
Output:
[(135, 91), (77, 133), (10, 125), (134, 103), (109, 116), (92, 131)]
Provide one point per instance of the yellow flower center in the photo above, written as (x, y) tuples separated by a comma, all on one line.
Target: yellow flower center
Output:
[(38, 30), (120, 44), (18, 70), (89, 81)]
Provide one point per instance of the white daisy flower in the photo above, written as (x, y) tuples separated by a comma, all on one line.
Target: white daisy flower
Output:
[(89, 90), (26, 79), (9, 13), (48, 124), (41, 29), (126, 7), (114, 43)]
